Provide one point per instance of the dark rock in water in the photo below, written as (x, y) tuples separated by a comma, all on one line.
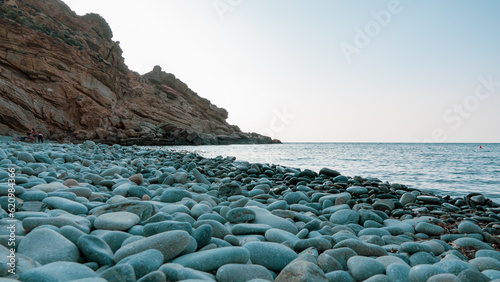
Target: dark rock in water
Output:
[(429, 200), (477, 199), (329, 172)]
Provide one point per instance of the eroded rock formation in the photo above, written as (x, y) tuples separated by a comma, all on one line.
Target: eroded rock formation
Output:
[(64, 75)]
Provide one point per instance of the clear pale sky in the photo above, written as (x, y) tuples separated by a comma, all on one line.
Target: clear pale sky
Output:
[(324, 70)]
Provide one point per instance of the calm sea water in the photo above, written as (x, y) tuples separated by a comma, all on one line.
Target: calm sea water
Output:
[(445, 169)]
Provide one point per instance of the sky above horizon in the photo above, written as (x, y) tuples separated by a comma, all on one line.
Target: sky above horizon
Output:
[(325, 71)]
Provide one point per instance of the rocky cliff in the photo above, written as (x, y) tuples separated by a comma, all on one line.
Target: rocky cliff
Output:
[(64, 75)]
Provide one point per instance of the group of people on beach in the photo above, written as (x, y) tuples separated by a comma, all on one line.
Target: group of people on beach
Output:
[(32, 136)]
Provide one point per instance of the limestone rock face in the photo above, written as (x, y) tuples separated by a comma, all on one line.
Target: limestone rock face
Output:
[(64, 75)]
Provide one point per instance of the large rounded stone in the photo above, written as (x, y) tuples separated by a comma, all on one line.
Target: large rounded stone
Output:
[(242, 273), (407, 198), (398, 272), (364, 267), (80, 223), (119, 273), (280, 236), (468, 242), (58, 271), (26, 157), (66, 205), (467, 227), (166, 225), (361, 248), (116, 221), (173, 195), (46, 245), (344, 216), (170, 244), (429, 229), (95, 249), (211, 260), (203, 235), (266, 217), (485, 263), (273, 256), (301, 271), (413, 247), (144, 262), (422, 272), (329, 172), (238, 215)]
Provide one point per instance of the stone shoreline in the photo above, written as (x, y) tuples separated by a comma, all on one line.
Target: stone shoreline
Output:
[(94, 212)]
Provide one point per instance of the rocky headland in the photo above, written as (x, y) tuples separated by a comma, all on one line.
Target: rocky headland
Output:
[(94, 212), (64, 75)]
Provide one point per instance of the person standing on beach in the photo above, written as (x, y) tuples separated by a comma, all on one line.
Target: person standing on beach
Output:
[(40, 137), (37, 136)]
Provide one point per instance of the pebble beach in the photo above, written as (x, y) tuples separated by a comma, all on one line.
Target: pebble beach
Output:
[(94, 212)]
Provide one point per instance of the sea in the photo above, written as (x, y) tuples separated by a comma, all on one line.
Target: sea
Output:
[(441, 168)]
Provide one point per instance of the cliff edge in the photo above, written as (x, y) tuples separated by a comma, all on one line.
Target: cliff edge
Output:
[(64, 75)]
